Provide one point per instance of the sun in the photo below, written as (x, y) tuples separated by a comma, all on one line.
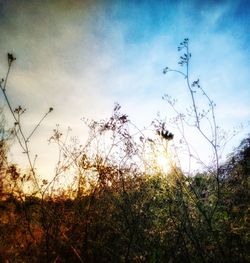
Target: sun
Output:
[(163, 162), (158, 158)]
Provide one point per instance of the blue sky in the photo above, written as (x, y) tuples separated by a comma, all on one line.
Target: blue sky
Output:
[(82, 56)]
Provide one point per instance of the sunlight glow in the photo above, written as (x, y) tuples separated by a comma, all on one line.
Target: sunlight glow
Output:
[(159, 158), (162, 162)]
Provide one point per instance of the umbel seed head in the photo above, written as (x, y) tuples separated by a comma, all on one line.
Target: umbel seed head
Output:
[(11, 58)]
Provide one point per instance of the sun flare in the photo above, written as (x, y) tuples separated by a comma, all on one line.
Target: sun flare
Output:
[(162, 161)]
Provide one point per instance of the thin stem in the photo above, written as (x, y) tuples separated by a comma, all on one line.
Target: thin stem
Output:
[(7, 75), (24, 144), (177, 71), (38, 124), (190, 90)]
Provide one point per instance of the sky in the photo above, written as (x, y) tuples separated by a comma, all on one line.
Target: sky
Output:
[(80, 57)]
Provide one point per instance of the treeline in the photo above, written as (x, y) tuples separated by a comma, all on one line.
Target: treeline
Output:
[(135, 218)]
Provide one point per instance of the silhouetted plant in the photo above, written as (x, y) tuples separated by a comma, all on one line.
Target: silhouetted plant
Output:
[(22, 138), (120, 205)]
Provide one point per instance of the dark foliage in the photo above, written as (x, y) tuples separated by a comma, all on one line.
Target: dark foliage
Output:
[(143, 219)]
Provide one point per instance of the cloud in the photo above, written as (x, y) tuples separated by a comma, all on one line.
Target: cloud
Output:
[(82, 56)]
